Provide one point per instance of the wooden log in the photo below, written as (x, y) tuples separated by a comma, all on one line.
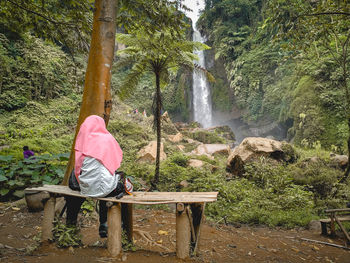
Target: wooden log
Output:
[(183, 234), (197, 214), (127, 221), (342, 228), (49, 216), (114, 240), (332, 225), (325, 243), (337, 210)]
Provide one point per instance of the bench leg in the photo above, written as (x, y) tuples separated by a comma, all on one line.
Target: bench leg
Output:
[(127, 220), (183, 232), (114, 240), (49, 216), (324, 229), (197, 210)]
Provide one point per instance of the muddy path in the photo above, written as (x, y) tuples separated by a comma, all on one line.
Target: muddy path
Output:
[(19, 231)]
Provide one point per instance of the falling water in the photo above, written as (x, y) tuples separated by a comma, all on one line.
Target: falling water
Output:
[(202, 111)]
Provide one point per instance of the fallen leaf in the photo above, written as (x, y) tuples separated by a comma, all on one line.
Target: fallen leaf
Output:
[(295, 250), (15, 208), (162, 232), (315, 248), (160, 241), (71, 250)]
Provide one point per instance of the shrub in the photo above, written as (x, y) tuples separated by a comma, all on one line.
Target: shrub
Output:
[(17, 175)]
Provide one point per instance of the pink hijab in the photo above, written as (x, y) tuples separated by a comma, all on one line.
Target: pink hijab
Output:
[(95, 141)]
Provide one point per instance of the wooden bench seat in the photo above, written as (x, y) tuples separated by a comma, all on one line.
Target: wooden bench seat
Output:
[(189, 213), (335, 216)]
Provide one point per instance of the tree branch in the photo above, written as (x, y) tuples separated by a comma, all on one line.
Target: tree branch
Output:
[(40, 15), (326, 13)]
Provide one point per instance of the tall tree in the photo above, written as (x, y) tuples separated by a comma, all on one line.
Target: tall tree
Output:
[(149, 16), (160, 54), (97, 92), (309, 25)]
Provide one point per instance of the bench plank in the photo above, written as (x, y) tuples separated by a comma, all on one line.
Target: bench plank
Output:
[(138, 197), (341, 219)]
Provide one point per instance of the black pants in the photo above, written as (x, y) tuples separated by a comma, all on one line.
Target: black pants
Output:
[(73, 208), (74, 203)]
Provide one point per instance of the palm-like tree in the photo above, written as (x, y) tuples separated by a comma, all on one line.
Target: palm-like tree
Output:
[(161, 54)]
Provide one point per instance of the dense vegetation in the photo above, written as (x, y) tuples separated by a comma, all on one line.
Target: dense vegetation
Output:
[(268, 79), (40, 94)]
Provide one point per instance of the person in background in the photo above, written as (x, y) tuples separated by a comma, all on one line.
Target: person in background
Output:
[(97, 158), (27, 153)]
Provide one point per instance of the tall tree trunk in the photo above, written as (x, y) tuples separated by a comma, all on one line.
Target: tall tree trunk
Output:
[(347, 96), (159, 103), (97, 93)]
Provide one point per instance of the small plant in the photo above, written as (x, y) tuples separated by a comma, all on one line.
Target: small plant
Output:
[(126, 244), (88, 206), (66, 236)]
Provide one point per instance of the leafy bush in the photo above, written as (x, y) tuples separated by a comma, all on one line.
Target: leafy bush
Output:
[(205, 136), (32, 69), (65, 236), (17, 175)]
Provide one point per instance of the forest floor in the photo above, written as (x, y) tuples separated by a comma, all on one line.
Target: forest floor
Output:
[(218, 243)]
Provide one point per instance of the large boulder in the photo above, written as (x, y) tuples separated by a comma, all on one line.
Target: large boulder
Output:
[(149, 152), (211, 149), (252, 148), (195, 163), (340, 161), (175, 138)]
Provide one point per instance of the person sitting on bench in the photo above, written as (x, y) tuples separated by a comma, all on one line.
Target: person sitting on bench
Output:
[(97, 158)]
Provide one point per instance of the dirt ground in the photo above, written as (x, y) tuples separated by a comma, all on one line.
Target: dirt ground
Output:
[(19, 231)]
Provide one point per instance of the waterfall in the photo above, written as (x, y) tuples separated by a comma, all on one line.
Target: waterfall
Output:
[(202, 110)]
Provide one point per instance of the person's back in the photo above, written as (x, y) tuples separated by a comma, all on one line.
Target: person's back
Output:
[(27, 153), (97, 158)]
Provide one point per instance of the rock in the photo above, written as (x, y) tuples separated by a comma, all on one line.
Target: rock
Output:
[(195, 163), (190, 140), (314, 159), (180, 147), (175, 138), (210, 149), (315, 226), (184, 183), (149, 152), (340, 161), (252, 148), (167, 124), (35, 200)]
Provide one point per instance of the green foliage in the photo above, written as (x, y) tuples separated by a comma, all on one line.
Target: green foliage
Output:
[(26, 126), (15, 176), (66, 236), (127, 246), (179, 159), (33, 70), (67, 23), (88, 206), (267, 195), (205, 136)]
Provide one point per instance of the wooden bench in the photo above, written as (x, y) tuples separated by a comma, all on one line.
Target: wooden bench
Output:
[(335, 216), (189, 214)]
